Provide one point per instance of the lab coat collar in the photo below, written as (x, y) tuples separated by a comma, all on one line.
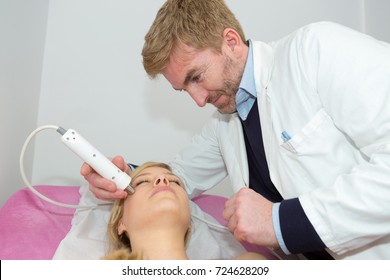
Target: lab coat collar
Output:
[(263, 60)]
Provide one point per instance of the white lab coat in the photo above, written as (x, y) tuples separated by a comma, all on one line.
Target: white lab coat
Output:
[(329, 88)]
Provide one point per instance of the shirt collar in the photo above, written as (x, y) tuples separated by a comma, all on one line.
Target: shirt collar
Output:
[(248, 80), (246, 93)]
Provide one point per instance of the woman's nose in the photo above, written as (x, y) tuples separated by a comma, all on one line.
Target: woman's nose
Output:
[(161, 180)]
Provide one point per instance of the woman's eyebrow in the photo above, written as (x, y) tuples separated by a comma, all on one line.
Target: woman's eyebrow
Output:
[(148, 173), (140, 175)]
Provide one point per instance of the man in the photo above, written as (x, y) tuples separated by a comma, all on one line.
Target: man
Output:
[(302, 129)]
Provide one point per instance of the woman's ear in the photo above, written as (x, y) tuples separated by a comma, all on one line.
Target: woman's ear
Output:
[(121, 227)]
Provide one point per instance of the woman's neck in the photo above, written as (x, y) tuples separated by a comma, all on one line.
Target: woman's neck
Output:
[(166, 244)]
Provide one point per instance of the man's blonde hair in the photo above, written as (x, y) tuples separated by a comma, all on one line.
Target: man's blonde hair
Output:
[(196, 23)]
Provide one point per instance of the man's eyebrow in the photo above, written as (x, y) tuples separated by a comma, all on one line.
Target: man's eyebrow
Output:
[(189, 76), (187, 79)]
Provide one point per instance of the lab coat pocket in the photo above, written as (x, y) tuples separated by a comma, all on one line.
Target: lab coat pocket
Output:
[(319, 152), (308, 132)]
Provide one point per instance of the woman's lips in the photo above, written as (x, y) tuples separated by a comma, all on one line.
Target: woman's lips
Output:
[(161, 189)]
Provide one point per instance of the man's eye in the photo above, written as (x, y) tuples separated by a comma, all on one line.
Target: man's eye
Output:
[(197, 78)]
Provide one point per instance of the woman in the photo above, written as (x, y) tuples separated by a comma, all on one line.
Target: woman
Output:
[(155, 221)]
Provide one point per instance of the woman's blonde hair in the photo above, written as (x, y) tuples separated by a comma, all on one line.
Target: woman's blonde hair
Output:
[(197, 23), (120, 245)]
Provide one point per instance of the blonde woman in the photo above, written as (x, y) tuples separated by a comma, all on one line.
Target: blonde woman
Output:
[(154, 222)]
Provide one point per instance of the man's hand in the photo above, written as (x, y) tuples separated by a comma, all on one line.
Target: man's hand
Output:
[(249, 217), (101, 187)]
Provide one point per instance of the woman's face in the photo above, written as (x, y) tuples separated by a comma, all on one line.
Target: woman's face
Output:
[(159, 200)]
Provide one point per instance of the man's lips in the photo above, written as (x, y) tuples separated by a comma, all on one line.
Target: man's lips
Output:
[(215, 100)]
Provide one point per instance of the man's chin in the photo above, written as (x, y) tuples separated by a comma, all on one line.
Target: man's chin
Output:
[(226, 111)]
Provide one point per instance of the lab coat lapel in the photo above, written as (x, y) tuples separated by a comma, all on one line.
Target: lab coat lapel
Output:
[(235, 153), (263, 57)]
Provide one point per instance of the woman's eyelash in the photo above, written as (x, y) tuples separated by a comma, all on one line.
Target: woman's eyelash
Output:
[(176, 182), (141, 182)]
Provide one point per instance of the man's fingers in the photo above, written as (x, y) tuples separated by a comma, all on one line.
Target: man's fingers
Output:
[(229, 208), (101, 183), (85, 169), (105, 195), (121, 164)]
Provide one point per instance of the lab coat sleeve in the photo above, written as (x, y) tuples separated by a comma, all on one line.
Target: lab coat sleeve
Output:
[(200, 165), (351, 73)]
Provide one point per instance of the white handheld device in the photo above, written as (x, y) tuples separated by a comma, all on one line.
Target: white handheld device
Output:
[(96, 160)]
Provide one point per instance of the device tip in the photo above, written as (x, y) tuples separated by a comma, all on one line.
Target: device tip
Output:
[(129, 189)]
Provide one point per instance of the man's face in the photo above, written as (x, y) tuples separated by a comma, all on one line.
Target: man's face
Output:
[(207, 76)]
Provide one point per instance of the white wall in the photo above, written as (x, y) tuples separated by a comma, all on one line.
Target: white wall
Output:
[(377, 19), (268, 20), (93, 79), (22, 38)]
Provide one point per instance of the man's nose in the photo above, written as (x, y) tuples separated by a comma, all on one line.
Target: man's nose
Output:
[(199, 96)]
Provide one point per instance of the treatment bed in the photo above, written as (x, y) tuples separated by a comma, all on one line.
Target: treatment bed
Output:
[(33, 229)]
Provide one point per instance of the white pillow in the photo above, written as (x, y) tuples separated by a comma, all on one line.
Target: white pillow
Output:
[(88, 240)]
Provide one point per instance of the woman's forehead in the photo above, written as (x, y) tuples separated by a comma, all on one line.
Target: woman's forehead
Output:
[(154, 170)]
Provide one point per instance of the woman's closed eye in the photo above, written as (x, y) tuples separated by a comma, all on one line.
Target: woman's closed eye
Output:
[(175, 181), (150, 178), (140, 182), (145, 181)]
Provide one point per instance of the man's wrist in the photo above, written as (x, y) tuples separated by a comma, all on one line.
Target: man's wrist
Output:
[(277, 229)]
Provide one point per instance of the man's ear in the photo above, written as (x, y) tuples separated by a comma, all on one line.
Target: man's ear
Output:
[(232, 40), (121, 227)]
